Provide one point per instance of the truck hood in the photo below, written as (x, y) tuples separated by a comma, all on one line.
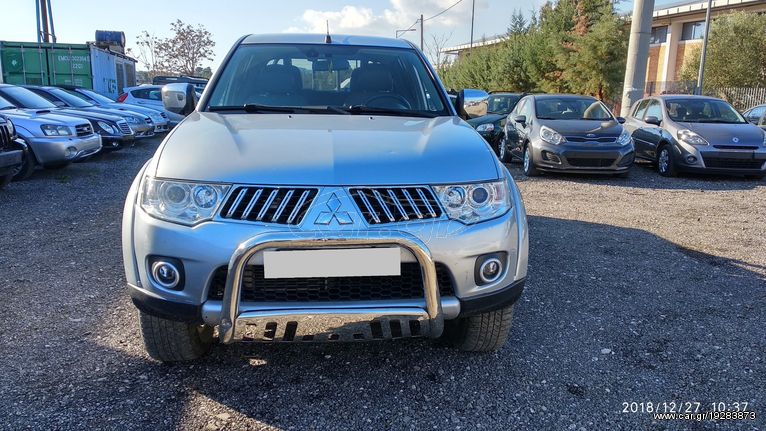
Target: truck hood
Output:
[(282, 149), (726, 134)]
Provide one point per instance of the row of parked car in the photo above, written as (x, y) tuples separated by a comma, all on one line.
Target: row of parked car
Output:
[(572, 133), (51, 127)]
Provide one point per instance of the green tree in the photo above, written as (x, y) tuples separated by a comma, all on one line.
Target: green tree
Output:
[(187, 49), (597, 62), (737, 51), (736, 55)]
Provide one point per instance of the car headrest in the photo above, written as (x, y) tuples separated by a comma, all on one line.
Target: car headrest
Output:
[(372, 78), (278, 78)]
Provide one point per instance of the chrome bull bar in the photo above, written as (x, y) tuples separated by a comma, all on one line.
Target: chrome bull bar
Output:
[(236, 326)]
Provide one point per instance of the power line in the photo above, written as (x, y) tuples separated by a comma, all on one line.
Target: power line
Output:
[(445, 10)]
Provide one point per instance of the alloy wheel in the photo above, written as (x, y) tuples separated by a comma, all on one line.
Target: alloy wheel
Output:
[(664, 160), (527, 157)]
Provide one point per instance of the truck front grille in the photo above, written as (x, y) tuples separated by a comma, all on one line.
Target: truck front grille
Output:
[(381, 205), (256, 288), (124, 127), (83, 129), (5, 134), (268, 204)]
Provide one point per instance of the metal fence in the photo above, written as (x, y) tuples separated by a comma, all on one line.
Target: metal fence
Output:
[(740, 97)]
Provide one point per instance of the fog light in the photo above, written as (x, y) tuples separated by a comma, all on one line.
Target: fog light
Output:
[(550, 157), (691, 159), (489, 268), (70, 152), (166, 274)]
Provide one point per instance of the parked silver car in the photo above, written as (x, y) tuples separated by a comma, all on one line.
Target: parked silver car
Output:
[(683, 133), (159, 119), (54, 140), (292, 208), (149, 96)]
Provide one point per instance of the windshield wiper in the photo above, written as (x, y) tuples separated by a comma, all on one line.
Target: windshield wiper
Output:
[(720, 121), (255, 108), (362, 109), (5, 108)]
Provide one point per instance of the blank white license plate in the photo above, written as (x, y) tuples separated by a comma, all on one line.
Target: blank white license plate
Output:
[(357, 262)]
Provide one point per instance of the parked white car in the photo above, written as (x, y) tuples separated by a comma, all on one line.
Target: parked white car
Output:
[(149, 96)]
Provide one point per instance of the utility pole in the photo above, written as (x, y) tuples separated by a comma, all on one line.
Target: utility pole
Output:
[(46, 36), (638, 54), (473, 10), (421, 32), (703, 54)]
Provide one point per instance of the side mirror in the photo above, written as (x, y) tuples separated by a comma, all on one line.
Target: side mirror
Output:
[(521, 119), (620, 120), (652, 120), (179, 98), (471, 103)]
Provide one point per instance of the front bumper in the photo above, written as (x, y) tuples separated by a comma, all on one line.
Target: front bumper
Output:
[(57, 149), (9, 161), (145, 130), (583, 158), (712, 160), (204, 248)]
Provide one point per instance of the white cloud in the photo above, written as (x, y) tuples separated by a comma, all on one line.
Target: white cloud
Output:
[(399, 14)]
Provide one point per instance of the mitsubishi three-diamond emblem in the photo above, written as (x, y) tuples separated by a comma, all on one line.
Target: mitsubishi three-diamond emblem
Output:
[(326, 217)]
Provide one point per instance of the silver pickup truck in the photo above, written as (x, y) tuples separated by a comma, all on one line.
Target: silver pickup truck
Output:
[(323, 189)]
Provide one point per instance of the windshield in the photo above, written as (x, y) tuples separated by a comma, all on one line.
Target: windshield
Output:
[(88, 95), (502, 103), (571, 108), (69, 98), (327, 79), (702, 111), (24, 98), (4, 104)]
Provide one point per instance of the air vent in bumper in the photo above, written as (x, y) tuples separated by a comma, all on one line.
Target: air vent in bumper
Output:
[(268, 204), (381, 205)]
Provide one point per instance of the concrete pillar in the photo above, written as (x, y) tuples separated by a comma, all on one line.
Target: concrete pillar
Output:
[(671, 52), (638, 54)]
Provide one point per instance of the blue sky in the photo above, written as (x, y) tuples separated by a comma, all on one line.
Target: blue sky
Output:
[(77, 20)]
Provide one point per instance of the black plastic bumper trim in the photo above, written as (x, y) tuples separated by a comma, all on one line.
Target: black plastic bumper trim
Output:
[(159, 307), (492, 301)]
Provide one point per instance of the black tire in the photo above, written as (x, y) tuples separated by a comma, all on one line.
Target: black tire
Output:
[(755, 177), (171, 341), (4, 180), (528, 162), (27, 167), (485, 332), (502, 150), (666, 166)]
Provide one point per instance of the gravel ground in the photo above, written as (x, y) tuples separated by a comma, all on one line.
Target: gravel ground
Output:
[(640, 290)]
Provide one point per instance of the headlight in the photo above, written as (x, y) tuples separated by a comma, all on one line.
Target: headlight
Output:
[(12, 128), (764, 138), (132, 120), (472, 203), (690, 137), (54, 130), (624, 138), (551, 136), (486, 127), (181, 202), (107, 128)]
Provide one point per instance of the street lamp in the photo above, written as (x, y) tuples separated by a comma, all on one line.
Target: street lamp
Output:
[(399, 32)]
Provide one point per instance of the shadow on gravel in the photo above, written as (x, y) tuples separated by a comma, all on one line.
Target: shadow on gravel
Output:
[(610, 315), (644, 176)]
